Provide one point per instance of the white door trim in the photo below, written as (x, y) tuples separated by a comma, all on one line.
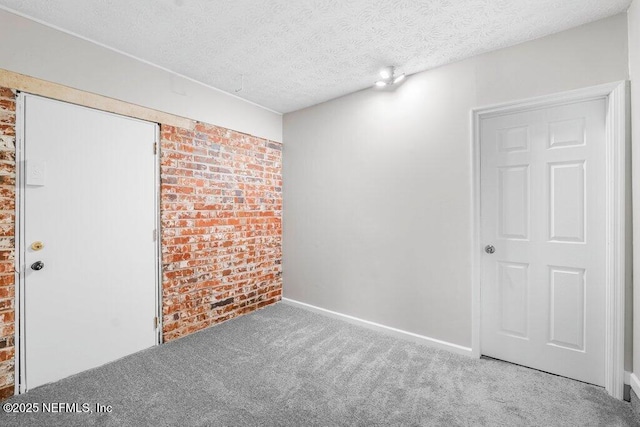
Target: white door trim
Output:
[(20, 365), (616, 141), (158, 236)]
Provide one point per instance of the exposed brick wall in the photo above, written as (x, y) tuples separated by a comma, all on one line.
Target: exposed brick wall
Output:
[(221, 226), (7, 239), (221, 209)]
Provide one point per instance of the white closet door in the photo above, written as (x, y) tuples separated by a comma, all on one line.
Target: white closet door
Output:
[(89, 199), (542, 201)]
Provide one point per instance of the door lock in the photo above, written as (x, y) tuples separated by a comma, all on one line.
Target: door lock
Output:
[(38, 265), (489, 249), (36, 246)]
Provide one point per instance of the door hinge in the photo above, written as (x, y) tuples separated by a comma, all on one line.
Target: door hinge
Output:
[(155, 322), (155, 234), (155, 148)]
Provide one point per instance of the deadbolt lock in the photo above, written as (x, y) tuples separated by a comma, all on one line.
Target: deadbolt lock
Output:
[(36, 246)]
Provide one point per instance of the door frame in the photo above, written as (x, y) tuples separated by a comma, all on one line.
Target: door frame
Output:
[(617, 148), (20, 244)]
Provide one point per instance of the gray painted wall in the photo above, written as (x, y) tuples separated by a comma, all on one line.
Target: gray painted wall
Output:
[(377, 195), (37, 50)]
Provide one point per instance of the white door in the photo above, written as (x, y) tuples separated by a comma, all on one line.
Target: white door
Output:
[(89, 198), (542, 207)]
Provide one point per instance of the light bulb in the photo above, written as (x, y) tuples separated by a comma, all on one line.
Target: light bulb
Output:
[(380, 83), (398, 79), (386, 73)]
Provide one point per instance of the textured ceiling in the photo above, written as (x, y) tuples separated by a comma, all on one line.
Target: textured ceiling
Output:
[(294, 54)]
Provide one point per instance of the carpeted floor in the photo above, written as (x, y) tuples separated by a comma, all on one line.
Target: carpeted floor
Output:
[(284, 366)]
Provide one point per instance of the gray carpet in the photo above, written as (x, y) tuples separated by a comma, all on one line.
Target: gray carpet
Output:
[(283, 366)]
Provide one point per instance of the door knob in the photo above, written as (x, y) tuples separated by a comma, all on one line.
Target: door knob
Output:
[(38, 265), (489, 249)]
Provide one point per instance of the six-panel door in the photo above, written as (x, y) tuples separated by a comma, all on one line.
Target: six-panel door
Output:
[(542, 207)]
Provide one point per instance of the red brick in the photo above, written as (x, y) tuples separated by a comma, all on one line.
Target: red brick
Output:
[(7, 353), (7, 391), (208, 234), (7, 104), (7, 93)]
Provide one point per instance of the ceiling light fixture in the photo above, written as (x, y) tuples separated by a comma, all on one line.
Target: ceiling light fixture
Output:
[(388, 77), (398, 79), (386, 73)]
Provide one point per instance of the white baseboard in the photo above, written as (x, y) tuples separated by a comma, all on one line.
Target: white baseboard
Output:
[(634, 382), (420, 339)]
